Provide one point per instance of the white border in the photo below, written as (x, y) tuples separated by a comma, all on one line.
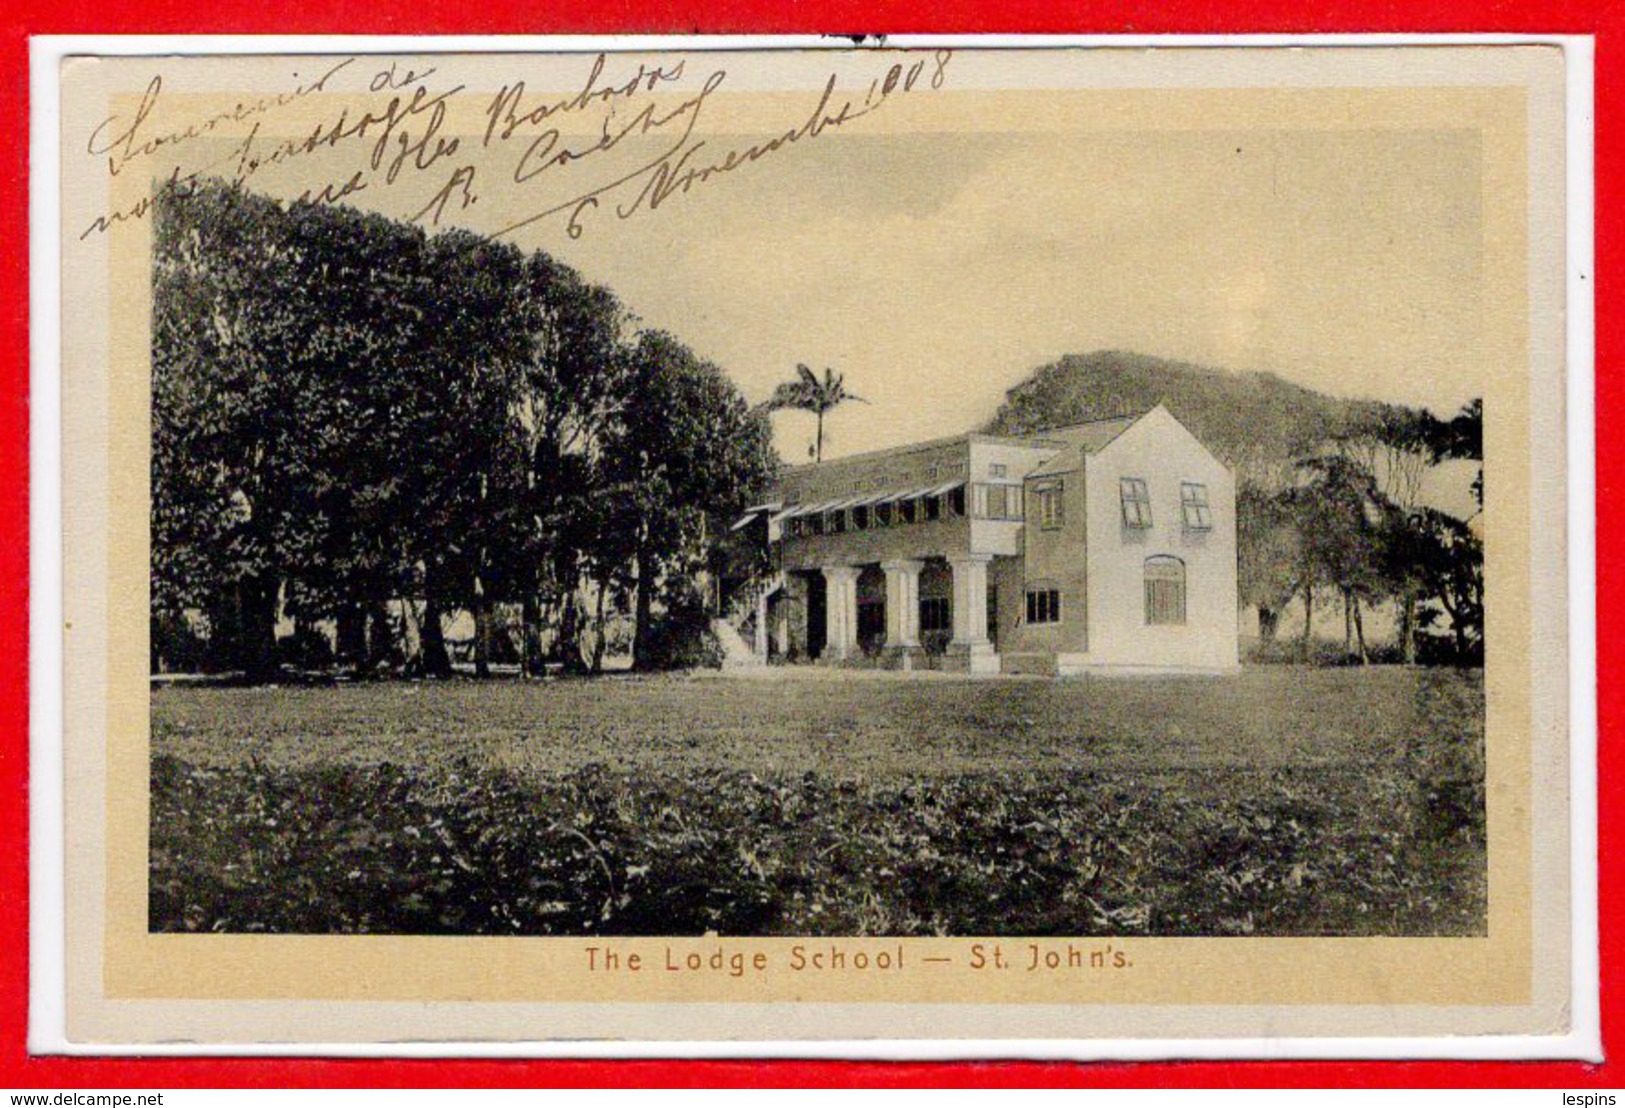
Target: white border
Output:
[(1580, 353), (47, 1027)]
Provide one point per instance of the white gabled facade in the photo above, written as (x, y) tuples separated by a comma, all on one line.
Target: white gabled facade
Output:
[(1159, 450)]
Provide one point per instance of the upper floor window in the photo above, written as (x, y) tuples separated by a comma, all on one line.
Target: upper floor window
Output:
[(1194, 507), (836, 522), (860, 517), (1043, 605), (1051, 508), (998, 469), (1164, 590), (1000, 501), (1136, 502)]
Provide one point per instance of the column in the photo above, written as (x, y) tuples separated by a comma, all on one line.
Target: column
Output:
[(761, 625), (970, 640), (902, 603), (840, 612), (970, 598)]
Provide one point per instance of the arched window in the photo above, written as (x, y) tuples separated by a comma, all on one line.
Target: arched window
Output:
[(1164, 590)]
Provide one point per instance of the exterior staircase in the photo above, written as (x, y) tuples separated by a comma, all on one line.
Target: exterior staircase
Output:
[(737, 654), (738, 644)]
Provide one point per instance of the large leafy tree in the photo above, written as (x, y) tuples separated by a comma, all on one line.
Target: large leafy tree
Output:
[(1461, 437), (363, 277), (468, 467), (573, 386), (1444, 558), (1453, 578), (687, 453), (349, 415), (1393, 445), (808, 393), (232, 472), (1270, 554), (1342, 519)]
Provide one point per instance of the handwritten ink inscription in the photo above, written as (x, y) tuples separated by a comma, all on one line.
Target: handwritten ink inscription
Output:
[(390, 131)]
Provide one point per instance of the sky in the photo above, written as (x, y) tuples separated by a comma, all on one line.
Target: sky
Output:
[(936, 271), (937, 259)]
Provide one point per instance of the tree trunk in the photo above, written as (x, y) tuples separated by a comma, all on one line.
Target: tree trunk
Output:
[(819, 455), (1268, 621), (1407, 627), (381, 640), (225, 643), (643, 613), (436, 661), (257, 602), (411, 637), (482, 630), (352, 636), (566, 581), (1359, 633), (301, 658), (567, 643), (1308, 618), (530, 615), (601, 642), (1348, 623)]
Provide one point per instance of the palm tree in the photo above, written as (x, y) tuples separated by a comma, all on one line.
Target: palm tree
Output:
[(808, 394)]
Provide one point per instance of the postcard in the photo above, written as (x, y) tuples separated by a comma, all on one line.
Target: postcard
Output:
[(944, 543)]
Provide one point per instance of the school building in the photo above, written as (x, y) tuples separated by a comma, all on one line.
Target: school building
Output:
[(1107, 546)]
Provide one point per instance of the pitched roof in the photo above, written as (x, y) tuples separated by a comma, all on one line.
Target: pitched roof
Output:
[(1081, 438), (1064, 461), (1094, 435)]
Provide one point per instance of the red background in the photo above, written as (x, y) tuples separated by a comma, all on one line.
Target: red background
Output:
[(22, 18)]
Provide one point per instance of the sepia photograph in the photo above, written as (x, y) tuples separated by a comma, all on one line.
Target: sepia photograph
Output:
[(511, 584)]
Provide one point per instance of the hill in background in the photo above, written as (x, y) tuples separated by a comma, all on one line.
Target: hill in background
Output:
[(1256, 422)]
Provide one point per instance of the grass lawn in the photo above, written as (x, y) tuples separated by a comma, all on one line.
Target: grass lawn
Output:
[(1281, 801)]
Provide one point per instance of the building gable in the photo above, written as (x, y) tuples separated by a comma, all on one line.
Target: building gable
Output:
[(1160, 422)]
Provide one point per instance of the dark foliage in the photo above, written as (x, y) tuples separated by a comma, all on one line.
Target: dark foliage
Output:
[(305, 649), (680, 637), (1317, 652), (349, 414), (599, 851), (177, 646)]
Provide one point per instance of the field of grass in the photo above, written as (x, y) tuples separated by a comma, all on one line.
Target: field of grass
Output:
[(1283, 801)]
